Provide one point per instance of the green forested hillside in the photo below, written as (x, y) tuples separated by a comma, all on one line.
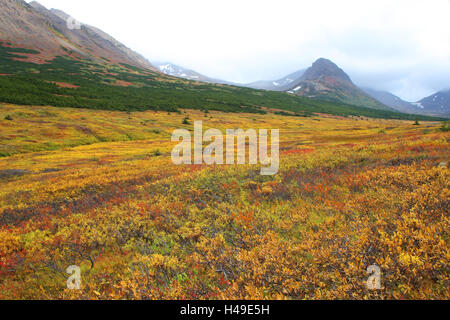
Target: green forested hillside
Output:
[(67, 82)]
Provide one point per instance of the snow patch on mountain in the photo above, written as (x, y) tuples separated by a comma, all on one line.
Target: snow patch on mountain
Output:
[(418, 104), (175, 71)]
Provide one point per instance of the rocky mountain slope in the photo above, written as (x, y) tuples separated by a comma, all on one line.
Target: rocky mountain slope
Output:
[(52, 34), (437, 104), (391, 100), (325, 80)]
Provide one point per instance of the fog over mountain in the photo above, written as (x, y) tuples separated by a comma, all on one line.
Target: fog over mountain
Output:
[(396, 46)]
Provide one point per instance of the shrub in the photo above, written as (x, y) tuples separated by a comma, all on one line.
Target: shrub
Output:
[(445, 126), (8, 117)]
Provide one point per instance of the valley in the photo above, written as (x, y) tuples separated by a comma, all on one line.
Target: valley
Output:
[(100, 200), (97, 189)]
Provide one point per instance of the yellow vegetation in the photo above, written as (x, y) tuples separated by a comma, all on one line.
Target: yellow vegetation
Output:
[(83, 187)]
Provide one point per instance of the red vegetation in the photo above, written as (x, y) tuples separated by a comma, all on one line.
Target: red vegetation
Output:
[(66, 85), (298, 151), (122, 83), (33, 58)]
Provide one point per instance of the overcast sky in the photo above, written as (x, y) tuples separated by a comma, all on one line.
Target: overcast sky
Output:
[(402, 46)]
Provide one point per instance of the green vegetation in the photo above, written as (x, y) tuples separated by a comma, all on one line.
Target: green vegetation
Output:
[(445, 126), (186, 120), (66, 82)]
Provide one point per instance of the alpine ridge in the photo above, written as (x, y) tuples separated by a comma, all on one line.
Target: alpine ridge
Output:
[(174, 70), (277, 85), (34, 27), (325, 80), (437, 104)]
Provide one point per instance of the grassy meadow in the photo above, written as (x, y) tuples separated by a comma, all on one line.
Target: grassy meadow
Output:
[(98, 189)]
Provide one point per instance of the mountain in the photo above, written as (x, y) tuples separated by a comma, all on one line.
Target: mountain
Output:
[(54, 33), (277, 85), (325, 80), (184, 73), (181, 72), (48, 59), (437, 104), (391, 100)]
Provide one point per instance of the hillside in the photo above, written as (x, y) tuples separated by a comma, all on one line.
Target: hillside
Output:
[(69, 82), (32, 26), (325, 80), (44, 62), (391, 100), (438, 104)]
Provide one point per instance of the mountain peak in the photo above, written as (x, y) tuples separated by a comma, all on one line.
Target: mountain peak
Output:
[(325, 80), (36, 5), (325, 68), (325, 61)]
